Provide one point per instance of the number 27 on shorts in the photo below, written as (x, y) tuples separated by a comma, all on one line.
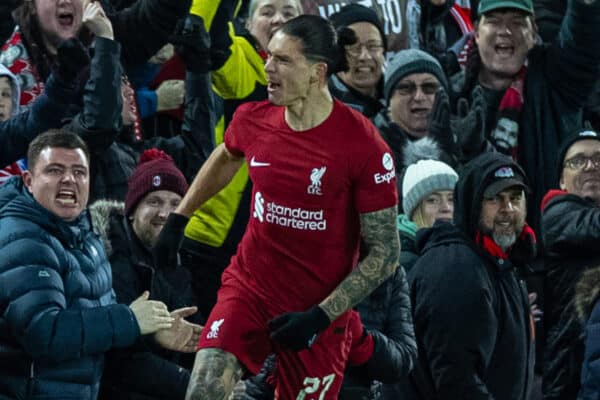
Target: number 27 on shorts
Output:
[(314, 386)]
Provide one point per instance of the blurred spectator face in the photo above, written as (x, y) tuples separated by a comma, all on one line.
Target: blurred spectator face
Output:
[(289, 72), (267, 16), (59, 181), (151, 214), (164, 54), (58, 19), (411, 103), (581, 170), (437, 206), (5, 98), (128, 110), (504, 37), (365, 59), (503, 217)]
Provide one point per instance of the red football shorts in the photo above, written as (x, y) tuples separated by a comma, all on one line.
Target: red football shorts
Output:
[(238, 325)]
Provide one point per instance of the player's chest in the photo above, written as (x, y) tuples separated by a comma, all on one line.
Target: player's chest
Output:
[(303, 171)]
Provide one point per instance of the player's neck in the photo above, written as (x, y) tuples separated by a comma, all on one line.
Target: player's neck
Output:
[(310, 111)]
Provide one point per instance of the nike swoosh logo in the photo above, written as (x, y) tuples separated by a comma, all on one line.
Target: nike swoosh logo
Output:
[(254, 163)]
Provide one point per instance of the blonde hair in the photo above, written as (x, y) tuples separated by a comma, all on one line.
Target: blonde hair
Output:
[(418, 218)]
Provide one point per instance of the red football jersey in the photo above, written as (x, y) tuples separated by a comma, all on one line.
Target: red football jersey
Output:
[(309, 188)]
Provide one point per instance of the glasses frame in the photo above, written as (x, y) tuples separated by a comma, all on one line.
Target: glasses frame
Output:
[(595, 160)]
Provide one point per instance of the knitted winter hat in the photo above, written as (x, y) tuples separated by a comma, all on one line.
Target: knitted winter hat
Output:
[(422, 178), (156, 171), (411, 61), (353, 13)]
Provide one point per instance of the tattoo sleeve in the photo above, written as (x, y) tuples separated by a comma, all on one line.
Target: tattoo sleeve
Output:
[(214, 375), (382, 246)]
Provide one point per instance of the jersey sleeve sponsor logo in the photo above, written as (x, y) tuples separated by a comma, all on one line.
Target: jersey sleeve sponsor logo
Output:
[(315, 181), (295, 218), (254, 163), (388, 164)]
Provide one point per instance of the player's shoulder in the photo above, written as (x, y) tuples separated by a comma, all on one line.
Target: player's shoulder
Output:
[(359, 124), (255, 109)]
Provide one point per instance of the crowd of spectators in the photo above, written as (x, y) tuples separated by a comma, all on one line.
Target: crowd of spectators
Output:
[(489, 111)]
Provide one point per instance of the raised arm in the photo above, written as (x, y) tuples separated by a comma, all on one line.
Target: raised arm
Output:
[(216, 172)]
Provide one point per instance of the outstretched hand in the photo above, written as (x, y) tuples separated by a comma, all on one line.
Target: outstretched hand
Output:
[(192, 43), (183, 336), (151, 315), (469, 125), (95, 19)]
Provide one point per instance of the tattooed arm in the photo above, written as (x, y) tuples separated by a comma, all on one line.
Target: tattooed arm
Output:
[(380, 236), (214, 375)]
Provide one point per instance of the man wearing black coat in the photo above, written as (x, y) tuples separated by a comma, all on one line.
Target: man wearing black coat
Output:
[(571, 232), (470, 309), (128, 230), (544, 85)]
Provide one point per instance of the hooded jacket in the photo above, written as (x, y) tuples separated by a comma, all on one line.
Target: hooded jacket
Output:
[(559, 79), (45, 113), (145, 371), (571, 232), (58, 309), (470, 309)]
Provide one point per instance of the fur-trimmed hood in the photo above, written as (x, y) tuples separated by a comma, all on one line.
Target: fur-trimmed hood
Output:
[(425, 148), (101, 212), (586, 293)]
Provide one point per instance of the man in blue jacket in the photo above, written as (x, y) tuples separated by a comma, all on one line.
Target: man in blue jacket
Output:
[(58, 314)]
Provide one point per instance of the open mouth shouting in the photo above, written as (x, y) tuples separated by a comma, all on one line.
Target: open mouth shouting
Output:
[(66, 198)]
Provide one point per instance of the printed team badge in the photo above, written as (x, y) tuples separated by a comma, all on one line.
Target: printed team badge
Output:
[(504, 172), (315, 181), (214, 329), (156, 181)]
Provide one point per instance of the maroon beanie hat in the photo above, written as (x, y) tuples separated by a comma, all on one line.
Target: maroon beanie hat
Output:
[(156, 171)]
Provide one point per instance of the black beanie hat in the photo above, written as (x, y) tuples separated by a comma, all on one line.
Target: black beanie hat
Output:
[(582, 134), (353, 13)]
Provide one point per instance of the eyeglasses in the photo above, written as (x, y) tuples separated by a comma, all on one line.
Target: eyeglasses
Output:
[(580, 161), (355, 50), (410, 88)]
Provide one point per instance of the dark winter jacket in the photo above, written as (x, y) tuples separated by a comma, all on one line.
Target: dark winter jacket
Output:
[(114, 150), (471, 311), (144, 371), (59, 314), (386, 314), (367, 106), (560, 77), (588, 309), (571, 231), (47, 112)]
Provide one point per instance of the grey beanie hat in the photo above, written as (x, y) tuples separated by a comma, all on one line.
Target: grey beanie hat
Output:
[(411, 61), (422, 178)]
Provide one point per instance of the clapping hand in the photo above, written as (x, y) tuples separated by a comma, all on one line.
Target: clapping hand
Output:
[(182, 336), (151, 315)]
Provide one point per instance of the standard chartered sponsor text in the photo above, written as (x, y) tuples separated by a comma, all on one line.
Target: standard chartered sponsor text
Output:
[(296, 218)]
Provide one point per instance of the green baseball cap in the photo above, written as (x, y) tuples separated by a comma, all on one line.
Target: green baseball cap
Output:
[(490, 5)]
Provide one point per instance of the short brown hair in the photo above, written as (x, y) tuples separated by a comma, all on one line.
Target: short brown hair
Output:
[(54, 138)]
